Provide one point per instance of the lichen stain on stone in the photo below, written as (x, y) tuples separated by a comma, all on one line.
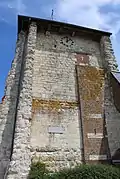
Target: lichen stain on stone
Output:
[(91, 83), (91, 89), (52, 105)]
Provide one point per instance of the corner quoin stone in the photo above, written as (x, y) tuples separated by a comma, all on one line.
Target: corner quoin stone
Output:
[(21, 158), (8, 110)]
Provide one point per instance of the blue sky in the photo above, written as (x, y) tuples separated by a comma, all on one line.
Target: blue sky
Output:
[(100, 14)]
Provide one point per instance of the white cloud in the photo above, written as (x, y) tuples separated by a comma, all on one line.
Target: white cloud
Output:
[(82, 12), (88, 13), (10, 9), (15, 5)]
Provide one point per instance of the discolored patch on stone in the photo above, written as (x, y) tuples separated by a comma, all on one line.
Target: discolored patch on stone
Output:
[(82, 59)]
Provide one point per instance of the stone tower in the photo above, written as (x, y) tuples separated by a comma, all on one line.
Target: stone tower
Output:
[(59, 105)]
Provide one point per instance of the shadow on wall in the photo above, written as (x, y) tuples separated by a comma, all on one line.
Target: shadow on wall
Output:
[(104, 149), (77, 93), (112, 94), (115, 83), (116, 156)]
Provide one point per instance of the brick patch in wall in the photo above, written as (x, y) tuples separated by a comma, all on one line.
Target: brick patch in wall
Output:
[(95, 136), (91, 88), (97, 157)]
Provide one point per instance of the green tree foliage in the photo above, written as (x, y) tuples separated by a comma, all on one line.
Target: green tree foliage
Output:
[(38, 171)]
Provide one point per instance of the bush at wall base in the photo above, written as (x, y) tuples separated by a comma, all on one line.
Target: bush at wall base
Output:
[(39, 171)]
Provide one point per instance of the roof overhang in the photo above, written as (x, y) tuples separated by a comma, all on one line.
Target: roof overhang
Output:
[(24, 21)]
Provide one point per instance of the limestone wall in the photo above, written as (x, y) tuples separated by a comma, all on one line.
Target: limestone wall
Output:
[(54, 84), (54, 68), (54, 81), (61, 148), (57, 43)]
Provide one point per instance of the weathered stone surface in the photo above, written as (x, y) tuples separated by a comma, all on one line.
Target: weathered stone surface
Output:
[(107, 53), (81, 45), (54, 69), (111, 114), (45, 144), (91, 89), (56, 161), (54, 78), (21, 158), (7, 115)]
